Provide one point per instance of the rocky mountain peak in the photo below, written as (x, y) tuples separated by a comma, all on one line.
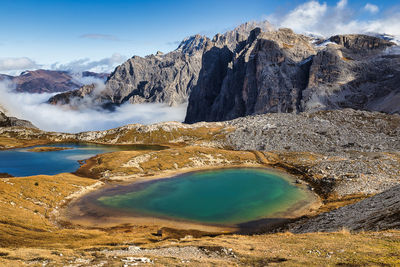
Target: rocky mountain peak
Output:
[(361, 42), (240, 34), (246, 28), (192, 44)]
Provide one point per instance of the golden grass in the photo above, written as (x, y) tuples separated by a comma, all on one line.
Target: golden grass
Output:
[(10, 142), (48, 149), (27, 211), (123, 163)]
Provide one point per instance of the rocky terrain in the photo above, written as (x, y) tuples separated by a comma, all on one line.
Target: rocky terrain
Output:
[(47, 81), (12, 121), (376, 213)]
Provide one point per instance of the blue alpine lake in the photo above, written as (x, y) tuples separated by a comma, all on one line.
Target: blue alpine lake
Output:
[(22, 162), (223, 196)]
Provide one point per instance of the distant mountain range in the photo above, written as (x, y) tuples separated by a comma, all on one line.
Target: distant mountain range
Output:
[(48, 81), (255, 69)]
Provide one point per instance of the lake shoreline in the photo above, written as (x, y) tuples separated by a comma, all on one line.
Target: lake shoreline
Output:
[(74, 211)]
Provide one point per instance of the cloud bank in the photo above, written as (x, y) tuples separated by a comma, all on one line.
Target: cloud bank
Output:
[(319, 18), (103, 65), (47, 117), (12, 64), (371, 8)]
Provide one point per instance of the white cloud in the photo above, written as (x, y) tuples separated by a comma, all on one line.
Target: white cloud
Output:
[(305, 15), (20, 63), (341, 4), (85, 64), (319, 18), (33, 107), (98, 36), (371, 8)]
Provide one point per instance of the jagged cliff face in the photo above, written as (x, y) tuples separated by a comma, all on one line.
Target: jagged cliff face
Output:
[(170, 78), (281, 71), (162, 78), (158, 78), (265, 75)]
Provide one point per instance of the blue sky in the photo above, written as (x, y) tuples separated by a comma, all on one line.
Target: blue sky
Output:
[(46, 32)]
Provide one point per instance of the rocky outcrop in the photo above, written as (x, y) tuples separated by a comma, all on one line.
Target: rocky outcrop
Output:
[(74, 96), (281, 71), (377, 213), (164, 78), (12, 121)]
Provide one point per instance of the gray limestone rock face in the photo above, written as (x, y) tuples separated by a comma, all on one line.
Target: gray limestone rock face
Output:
[(266, 74), (161, 78), (158, 78)]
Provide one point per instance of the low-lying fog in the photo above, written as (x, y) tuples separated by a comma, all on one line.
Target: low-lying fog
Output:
[(33, 107)]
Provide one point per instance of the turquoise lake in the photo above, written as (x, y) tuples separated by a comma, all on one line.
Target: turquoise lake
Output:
[(224, 196), (21, 162)]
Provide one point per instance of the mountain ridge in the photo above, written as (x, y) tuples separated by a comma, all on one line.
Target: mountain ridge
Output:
[(255, 69), (48, 81)]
